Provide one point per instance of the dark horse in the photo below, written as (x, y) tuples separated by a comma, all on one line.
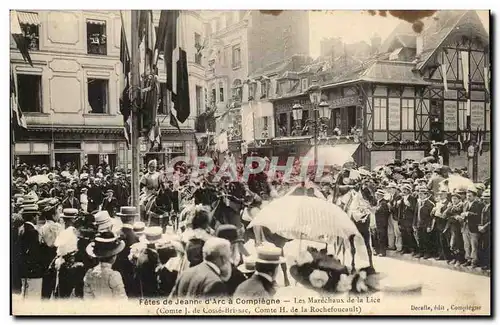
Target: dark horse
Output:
[(157, 211)]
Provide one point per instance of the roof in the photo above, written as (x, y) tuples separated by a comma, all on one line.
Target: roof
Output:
[(444, 24), (293, 63), (400, 33), (393, 72), (28, 18)]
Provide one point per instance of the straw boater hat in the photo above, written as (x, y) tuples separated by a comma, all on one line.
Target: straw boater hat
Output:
[(127, 214), (380, 192), (423, 189), (70, 213), (248, 265), (406, 187), (456, 194), (472, 189), (153, 234), (105, 244), (102, 220), (139, 228), (269, 254), (392, 185)]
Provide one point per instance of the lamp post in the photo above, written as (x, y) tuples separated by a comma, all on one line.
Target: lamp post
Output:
[(321, 107)]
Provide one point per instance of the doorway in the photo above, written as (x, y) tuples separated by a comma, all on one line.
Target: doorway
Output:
[(72, 158)]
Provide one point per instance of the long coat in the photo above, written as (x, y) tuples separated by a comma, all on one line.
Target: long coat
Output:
[(255, 286), (423, 217), (31, 263), (382, 214), (110, 206), (124, 265), (407, 212), (199, 281), (474, 211)]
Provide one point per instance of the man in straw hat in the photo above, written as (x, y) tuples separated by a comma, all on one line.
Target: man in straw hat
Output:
[(382, 215), (473, 209), (248, 266), (102, 281), (69, 216), (110, 203), (407, 210), (205, 279), (71, 202), (422, 223), (262, 283), (31, 266), (484, 230)]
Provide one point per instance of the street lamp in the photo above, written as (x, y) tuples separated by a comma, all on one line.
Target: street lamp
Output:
[(320, 106)]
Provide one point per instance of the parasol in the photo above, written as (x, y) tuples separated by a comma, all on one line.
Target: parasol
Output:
[(454, 182), (311, 218), (331, 156), (38, 179)]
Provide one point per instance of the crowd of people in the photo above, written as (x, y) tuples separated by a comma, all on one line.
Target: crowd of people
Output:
[(76, 235)]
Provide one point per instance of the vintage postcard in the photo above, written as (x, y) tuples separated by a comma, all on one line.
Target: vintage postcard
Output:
[(250, 162)]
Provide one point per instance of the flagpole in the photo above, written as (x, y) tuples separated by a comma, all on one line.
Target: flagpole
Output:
[(135, 84)]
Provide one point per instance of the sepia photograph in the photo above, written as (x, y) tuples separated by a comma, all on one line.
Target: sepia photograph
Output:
[(250, 162)]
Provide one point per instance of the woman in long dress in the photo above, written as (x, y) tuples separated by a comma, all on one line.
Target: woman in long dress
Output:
[(102, 282)]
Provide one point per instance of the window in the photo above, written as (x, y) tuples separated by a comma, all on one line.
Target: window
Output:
[(96, 37), (31, 36), (264, 87), (304, 84), (229, 18), (29, 93), (237, 90), (266, 122), (199, 100), (407, 114), (213, 97), (162, 104), (236, 56), (462, 115), (380, 114), (252, 87), (221, 92), (199, 47), (98, 96), (394, 114)]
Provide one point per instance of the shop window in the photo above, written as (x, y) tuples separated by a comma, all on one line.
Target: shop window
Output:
[(380, 114), (96, 37), (236, 57), (98, 96), (162, 102), (221, 92), (407, 114), (29, 88)]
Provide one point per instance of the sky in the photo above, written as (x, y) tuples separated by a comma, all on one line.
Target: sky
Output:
[(354, 26)]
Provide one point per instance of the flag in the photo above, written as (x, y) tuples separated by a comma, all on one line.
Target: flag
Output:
[(18, 36), (445, 78), (147, 40), (487, 79), (169, 32), (155, 135), (17, 115), (125, 103), (464, 55), (174, 122)]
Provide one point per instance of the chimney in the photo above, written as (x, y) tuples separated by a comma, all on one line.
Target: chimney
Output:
[(420, 44)]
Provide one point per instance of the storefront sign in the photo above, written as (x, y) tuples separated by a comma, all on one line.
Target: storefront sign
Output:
[(394, 114), (450, 116), (477, 115), (344, 102)]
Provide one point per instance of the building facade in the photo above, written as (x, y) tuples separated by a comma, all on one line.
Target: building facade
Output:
[(395, 104), (243, 50), (70, 97)]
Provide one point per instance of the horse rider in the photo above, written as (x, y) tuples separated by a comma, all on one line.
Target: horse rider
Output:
[(150, 182)]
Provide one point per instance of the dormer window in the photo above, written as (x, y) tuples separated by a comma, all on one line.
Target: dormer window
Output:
[(304, 84), (264, 88)]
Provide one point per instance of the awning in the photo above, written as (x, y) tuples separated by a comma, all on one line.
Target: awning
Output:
[(28, 18), (96, 22)]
